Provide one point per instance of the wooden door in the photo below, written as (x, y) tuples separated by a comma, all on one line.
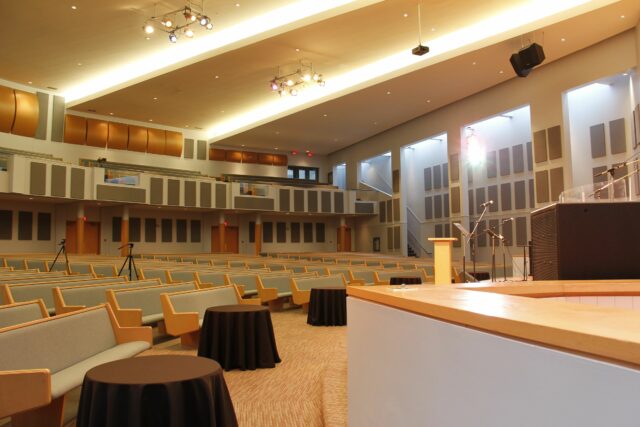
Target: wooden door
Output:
[(231, 240), (91, 238), (215, 239), (346, 247)]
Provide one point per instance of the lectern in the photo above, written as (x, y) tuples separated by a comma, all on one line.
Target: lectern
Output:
[(442, 247)]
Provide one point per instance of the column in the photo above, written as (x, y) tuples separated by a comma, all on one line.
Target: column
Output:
[(80, 229), (124, 231), (442, 259), (221, 232), (258, 234), (342, 237)]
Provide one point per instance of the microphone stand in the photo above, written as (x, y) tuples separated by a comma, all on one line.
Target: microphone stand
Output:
[(473, 236), (130, 261), (63, 249)]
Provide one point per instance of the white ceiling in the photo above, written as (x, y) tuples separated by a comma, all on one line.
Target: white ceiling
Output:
[(52, 45)]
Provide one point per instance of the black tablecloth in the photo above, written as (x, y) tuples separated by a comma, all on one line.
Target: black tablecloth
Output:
[(239, 336), (328, 307), (158, 391), (405, 280), (480, 275)]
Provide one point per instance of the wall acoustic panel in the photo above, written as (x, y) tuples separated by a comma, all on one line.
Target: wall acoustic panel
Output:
[(542, 186), (134, 229), (320, 228), (382, 211), (598, 178), (437, 177), (338, 202), (188, 148), (492, 169), (281, 232), (507, 233), (598, 146), (455, 200), (118, 136), (249, 157), (173, 192), (285, 200), (492, 194), (480, 198), (517, 151), (25, 122), (390, 211), (445, 175), (57, 119), (195, 230), (554, 138), (396, 237), (120, 194), (454, 162), (233, 156), (75, 129), (505, 196), (428, 207), (156, 141), (472, 203), (540, 146), (202, 150), (280, 160), (205, 195), (395, 180), (428, 179), (390, 238), (617, 136), (44, 226), (312, 201), (77, 183), (556, 179), (445, 205), (217, 154), (437, 206), (295, 232), (149, 230), (166, 225), (43, 108), (363, 208), (521, 231), (7, 108), (532, 203), (256, 203), (97, 133), (298, 200), (25, 225), (181, 230), (58, 181), (38, 179), (482, 237), (116, 228), (221, 196), (396, 210), (505, 161), (520, 195), (190, 193), (307, 232), (265, 158), (138, 138), (325, 198), (156, 190), (173, 143), (6, 225), (494, 225), (438, 230)]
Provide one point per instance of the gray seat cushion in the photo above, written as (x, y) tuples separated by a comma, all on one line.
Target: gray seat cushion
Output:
[(152, 318)]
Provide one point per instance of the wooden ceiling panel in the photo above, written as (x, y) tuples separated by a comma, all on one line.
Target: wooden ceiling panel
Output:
[(97, 133), (157, 141), (138, 138), (27, 114), (75, 129), (7, 108), (118, 136), (175, 141)]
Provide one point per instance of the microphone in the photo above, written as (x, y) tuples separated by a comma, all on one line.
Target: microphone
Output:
[(504, 221), (485, 204)]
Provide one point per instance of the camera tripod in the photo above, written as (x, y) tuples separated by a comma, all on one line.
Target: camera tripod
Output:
[(63, 250), (130, 261)]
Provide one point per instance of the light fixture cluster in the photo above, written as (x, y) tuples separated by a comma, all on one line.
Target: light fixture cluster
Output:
[(307, 153), (179, 22), (292, 83)]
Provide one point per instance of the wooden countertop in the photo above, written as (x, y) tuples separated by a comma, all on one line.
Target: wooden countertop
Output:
[(609, 333), (559, 288)]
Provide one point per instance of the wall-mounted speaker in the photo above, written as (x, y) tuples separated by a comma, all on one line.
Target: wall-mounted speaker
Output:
[(527, 58)]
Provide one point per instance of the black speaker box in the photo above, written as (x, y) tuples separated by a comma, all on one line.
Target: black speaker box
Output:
[(527, 58)]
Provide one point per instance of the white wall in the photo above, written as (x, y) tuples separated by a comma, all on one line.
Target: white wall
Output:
[(15, 245), (376, 173)]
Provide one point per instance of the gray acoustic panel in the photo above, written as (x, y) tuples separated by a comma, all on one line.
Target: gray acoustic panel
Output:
[(285, 200), (396, 210), (390, 238), (492, 194), (281, 232), (134, 229), (320, 238), (205, 194), (505, 196), (494, 225), (529, 156), (542, 186), (382, 211), (166, 227), (364, 208), (447, 230), (38, 179), (472, 202), (505, 161), (149, 230), (554, 139), (43, 114), (173, 192), (445, 175), (492, 169), (445, 205), (395, 180), (25, 225), (556, 180), (338, 202), (521, 231), (181, 230), (617, 136), (454, 162), (540, 145), (77, 183), (312, 200), (428, 207), (437, 206), (57, 119), (598, 178), (389, 211), (195, 229), (621, 188), (295, 232), (517, 151), (6, 225), (437, 177), (44, 226), (598, 145), (325, 198), (480, 198), (307, 232), (428, 179), (455, 200), (188, 148), (469, 174), (532, 203), (507, 233), (156, 189), (58, 181), (298, 200), (256, 203), (396, 237), (458, 235), (438, 230), (221, 196), (520, 195), (190, 193), (120, 194), (267, 232), (482, 237), (202, 150)]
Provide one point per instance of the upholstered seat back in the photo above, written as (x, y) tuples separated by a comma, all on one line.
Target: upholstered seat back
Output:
[(16, 263), (106, 270), (319, 282), (148, 298), (366, 275), (199, 301), (39, 264), (92, 295), (44, 290), (182, 275), (82, 268), (155, 273), (247, 280), (216, 278), (15, 314)]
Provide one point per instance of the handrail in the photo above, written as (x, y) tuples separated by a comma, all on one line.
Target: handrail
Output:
[(410, 233), (381, 179), (375, 189)]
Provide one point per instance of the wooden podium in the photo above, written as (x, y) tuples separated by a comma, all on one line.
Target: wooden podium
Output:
[(442, 247)]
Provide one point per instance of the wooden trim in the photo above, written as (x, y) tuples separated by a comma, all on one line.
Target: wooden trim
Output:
[(126, 334), (22, 390), (39, 302)]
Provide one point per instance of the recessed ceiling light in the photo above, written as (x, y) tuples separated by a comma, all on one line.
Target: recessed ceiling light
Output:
[(335, 139), (375, 123), (324, 115), (30, 82), (242, 145), (388, 92), (433, 29), (500, 72), (217, 77), (474, 63), (222, 111), (74, 7), (297, 50), (563, 40), (277, 132), (428, 100), (237, 4), (150, 120), (79, 64), (405, 15), (621, 16), (275, 148), (186, 126), (111, 114), (148, 38)]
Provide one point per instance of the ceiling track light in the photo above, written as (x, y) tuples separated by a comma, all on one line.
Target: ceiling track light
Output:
[(179, 21), (420, 49), (293, 82)]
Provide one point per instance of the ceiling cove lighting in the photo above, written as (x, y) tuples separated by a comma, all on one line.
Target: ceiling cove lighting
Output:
[(291, 83), (179, 21), (502, 26), (277, 21)]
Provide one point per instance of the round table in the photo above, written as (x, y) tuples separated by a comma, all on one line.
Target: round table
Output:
[(158, 391), (328, 306), (239, 337)]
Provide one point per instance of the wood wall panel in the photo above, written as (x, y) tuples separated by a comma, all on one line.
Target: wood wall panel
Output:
[(217, 154), (27, 114), (249, 157), (265, 158), (174, 144), (156, 141), (138, 138), (118, 136), (7, 108), (233, 156), (280, 160), (97, 133), (75, 129)]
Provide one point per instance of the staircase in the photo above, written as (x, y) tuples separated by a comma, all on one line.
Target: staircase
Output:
[(411, 252)]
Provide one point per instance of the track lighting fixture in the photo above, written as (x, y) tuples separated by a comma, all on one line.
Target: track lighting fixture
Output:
[(170, 22), (291, 83), (172, 37)]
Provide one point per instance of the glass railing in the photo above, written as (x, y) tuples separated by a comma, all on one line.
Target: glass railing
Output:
[(114, 176), (599, 192), (250, 189)]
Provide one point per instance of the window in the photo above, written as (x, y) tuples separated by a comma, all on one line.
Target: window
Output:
[(303, 173), (290, 174), (313, 175)]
